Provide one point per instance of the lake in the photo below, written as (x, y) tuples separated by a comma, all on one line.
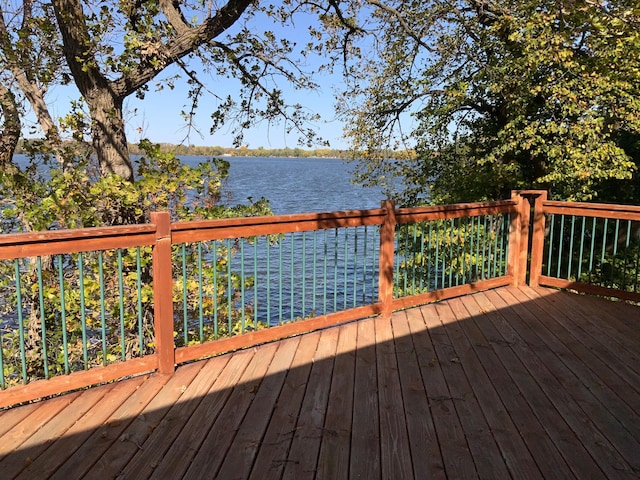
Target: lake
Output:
[(292, 185), (296, 185)]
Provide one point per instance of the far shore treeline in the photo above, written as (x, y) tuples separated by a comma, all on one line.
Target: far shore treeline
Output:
[(243, 151)]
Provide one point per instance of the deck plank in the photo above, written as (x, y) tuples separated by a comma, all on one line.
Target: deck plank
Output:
[(557, 400), (305, 445), (116, 443), (333, 459), (531, 411), (423, 439), (239, 459), (453, 443), (484, 449), (395, 452), (272, 458), (515, 382), (364, 461), (54, 428), (487, 385)]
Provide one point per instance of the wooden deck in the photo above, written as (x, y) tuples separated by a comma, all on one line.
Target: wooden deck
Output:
[(511, 383)]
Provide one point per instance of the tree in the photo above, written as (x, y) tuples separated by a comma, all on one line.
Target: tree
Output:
[(112, 50), (499, 96)]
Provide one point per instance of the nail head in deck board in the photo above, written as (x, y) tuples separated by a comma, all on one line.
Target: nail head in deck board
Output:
[(272, 457)]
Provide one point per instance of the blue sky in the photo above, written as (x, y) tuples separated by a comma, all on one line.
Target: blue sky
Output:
[(157, 117)]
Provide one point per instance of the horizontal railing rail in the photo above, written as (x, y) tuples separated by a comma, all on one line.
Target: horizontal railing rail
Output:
[(82, 307)]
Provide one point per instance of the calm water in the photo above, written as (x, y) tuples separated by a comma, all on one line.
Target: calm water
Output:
[(295, 185)]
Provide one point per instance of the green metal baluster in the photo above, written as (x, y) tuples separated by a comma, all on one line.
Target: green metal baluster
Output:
[(280, 281), (604, 244), (364, 264), (63, 315), (103, 313), (255, 283), (422, 227), (185, 295), (451, 241), (374, 262), (571, 237), (494, 235), (200, 293), (558, 274), (471, 238), (485, 255), (355, 267), (242, 287), (324, 276), (335, 270), (216, 289), (83, 318), (291, 278), (636, 283), (123, 346), (581, 252), (43, 325), (345, 262), (23, 353), (268, 281), (229, 290), (315, 272), (479, 259), (139, 291), (594, 221), (303, 280), (502, 233), (437, 253), (615, 252), (626, 256), (550, 250)]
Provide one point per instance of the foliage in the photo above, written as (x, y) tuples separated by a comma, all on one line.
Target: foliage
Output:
[(104, 299), (510, 95), (446, 253)]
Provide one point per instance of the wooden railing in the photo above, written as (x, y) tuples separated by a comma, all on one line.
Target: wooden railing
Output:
[(420, 255)]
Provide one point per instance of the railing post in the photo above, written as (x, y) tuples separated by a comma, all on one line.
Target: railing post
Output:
[(525, 243), (163, 293), (519, 239), (387, 251), (537, 239)]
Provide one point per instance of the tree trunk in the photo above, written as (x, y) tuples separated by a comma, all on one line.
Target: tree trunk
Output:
[(107, 132), (10, 130)]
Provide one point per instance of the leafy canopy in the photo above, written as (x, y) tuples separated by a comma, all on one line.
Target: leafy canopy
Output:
[(501, 95)]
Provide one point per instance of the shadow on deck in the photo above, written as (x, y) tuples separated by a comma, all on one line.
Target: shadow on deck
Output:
[(509, 383)]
